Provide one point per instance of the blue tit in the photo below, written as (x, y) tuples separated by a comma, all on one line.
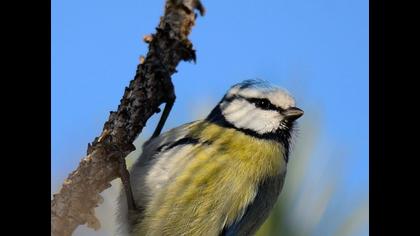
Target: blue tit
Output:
[(218, 176)]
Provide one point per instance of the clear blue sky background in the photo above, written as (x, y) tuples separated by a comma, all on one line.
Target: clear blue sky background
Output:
[(317, 49)]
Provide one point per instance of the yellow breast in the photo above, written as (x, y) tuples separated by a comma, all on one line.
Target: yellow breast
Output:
[(214, 183)]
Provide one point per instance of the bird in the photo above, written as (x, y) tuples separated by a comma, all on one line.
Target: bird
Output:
[(220, 175)]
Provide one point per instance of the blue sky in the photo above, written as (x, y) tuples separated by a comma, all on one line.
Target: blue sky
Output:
[(317, 49)]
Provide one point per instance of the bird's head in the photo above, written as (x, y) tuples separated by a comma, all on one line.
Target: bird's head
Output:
[(257, 107)]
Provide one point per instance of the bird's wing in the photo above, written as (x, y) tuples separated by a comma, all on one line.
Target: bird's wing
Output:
[(165, 140), (158, 155), (258, 210), (151, 150)]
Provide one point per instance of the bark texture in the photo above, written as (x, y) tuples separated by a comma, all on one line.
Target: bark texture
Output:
[(74, 204)]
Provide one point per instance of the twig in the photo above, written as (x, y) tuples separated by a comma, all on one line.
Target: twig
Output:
[(74, 204)]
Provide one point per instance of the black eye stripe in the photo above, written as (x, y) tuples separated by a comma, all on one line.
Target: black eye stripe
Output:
[(262, 103)]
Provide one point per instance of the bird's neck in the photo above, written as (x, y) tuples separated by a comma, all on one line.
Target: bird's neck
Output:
[(282, 137)]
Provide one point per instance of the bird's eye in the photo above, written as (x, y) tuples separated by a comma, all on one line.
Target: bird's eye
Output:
[(263, 104)]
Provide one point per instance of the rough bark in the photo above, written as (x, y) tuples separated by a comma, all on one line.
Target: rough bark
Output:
[(74, 204)]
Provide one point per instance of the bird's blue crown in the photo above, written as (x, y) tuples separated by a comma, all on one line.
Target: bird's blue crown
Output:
[(259, 84)]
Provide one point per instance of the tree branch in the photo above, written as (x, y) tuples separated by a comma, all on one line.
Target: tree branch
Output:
[(74, 204)]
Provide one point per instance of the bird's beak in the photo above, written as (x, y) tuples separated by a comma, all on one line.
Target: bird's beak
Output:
[(292, 113)]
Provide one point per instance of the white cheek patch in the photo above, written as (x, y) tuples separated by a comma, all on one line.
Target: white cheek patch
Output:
[(243, 114)]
